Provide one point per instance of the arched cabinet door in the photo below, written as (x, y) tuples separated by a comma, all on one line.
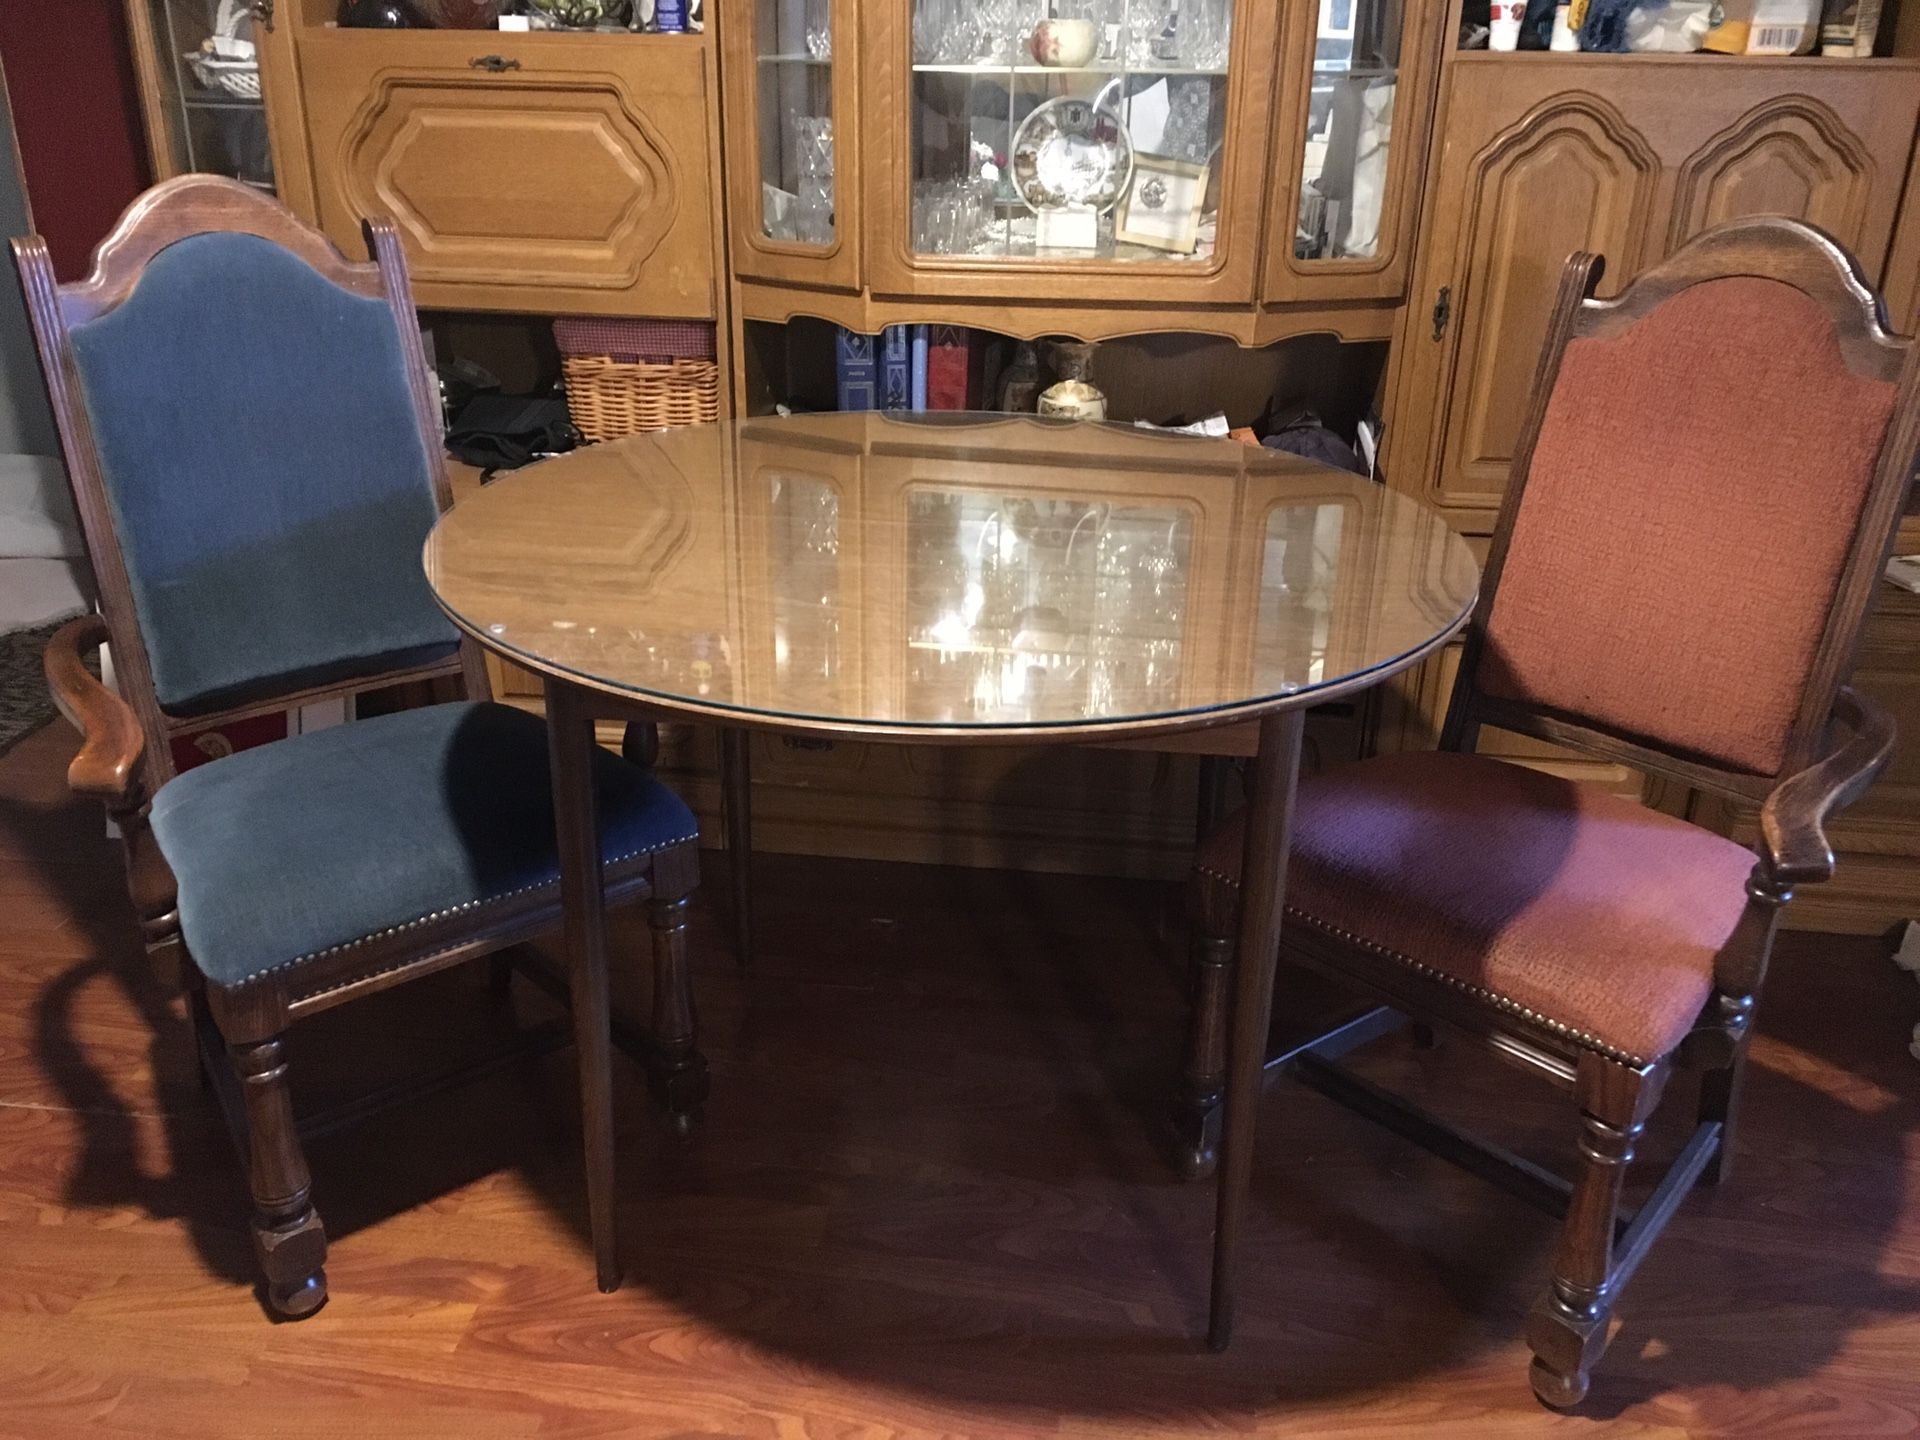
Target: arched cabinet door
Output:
[(1518, 190), (1791, 155), (1627, 156)]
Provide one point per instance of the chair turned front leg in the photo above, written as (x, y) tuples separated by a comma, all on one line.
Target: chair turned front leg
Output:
[(1567, 1330), (287, 1234), (1203, 1078), (678, 1072), (1720, 1085)]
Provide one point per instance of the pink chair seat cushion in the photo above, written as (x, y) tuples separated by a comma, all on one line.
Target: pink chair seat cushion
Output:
[(1543, 897)]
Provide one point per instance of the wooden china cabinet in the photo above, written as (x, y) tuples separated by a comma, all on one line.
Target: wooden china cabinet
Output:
[(1318, 201)]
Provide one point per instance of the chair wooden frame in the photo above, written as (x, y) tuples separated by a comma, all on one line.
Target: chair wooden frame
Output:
[(126, 757), (1838, 744)]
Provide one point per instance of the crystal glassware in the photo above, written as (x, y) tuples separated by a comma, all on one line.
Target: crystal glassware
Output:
[(1206, 33), (819, 29), (813, 146), (994, 39), (1150, 30), (813, 213)]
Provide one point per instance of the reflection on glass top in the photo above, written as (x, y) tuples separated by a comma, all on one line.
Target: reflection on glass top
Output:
[(980, 573)]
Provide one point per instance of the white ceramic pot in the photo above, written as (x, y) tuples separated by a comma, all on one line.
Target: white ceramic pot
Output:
[(1073, 400), (1065, 44)]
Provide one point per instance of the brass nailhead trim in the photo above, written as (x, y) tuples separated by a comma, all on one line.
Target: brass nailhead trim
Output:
[(1477, 992), (438, 915)]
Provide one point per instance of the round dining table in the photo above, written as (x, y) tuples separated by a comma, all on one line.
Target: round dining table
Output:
[(947, 579)]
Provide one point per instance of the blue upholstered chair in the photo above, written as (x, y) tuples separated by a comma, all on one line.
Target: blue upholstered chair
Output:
[(251, 432)]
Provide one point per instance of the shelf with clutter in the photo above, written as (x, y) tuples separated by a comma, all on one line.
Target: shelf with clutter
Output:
[(1310, 395), (1831, 29)]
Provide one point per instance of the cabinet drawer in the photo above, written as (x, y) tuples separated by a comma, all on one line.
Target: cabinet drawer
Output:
[(566, 174)]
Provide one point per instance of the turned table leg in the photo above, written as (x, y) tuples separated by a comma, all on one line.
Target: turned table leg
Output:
[(1276, 773), (584, 904), (736, 803)]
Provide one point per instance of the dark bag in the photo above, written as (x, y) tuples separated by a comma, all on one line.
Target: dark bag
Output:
[(504, 432), (1302, 434)]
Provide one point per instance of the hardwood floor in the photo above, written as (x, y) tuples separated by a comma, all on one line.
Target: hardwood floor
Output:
[(926, 1201)]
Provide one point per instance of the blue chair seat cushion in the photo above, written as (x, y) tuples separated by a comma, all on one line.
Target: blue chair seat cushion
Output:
[(297, 850)]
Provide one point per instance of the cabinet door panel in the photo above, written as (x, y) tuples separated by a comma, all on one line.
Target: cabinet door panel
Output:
[(1572, 175), (1357, 85), (1790, 156), (574, 176), (773, 76)]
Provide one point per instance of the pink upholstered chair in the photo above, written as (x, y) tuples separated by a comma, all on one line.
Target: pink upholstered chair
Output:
[(1706, 487)]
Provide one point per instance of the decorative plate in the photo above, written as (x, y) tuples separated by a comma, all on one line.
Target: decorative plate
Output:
[(1072, 152)]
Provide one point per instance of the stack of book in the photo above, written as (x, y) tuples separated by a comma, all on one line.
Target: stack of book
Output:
[(912, 367)]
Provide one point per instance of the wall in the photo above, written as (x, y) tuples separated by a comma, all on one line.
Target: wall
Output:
[(26, 425), (43, 576)]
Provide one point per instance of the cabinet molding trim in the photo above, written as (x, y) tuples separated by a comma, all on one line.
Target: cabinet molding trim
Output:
[(1798, 132)]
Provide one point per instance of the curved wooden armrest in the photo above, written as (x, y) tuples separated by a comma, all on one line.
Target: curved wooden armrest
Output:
[(1793, 821), (108, 765)]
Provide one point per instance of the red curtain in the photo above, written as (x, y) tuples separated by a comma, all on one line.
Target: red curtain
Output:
[(76, 113)]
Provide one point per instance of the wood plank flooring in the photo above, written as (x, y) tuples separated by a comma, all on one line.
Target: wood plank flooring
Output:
[(926, 1200)]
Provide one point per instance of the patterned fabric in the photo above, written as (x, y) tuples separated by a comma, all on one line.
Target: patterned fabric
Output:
[(652, 341), (313, 843), (1550, 899), (1693, 497), (266, 474), (25, 702)]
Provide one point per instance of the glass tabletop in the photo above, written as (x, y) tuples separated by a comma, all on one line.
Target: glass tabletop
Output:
[(965, 576)]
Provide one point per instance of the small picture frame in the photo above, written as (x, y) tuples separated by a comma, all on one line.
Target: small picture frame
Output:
[(1161, 209)]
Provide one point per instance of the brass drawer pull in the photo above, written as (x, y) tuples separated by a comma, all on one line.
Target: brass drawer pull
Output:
[(493, 63)]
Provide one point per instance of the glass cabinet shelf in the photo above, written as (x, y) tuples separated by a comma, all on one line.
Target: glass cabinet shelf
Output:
[(978, 68)]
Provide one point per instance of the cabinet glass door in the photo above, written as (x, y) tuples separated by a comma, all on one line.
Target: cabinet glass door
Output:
[(206, 90), (1069, 129), (793, 60), (1343, 165)]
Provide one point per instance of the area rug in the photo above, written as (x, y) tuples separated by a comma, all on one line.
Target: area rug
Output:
[(25, 704)]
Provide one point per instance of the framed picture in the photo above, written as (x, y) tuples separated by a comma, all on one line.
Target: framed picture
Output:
[(1162, 209)]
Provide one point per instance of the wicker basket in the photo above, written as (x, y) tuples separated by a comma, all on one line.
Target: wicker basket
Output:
[(610, 398)]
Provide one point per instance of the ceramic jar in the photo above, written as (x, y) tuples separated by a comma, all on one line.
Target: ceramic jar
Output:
[(1065, 44)]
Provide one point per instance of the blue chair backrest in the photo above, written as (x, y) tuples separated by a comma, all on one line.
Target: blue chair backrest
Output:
[(269, 486)]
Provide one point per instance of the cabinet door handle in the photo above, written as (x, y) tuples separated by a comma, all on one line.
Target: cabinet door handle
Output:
[(262, 11), (494, 64), (1442, 310)]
